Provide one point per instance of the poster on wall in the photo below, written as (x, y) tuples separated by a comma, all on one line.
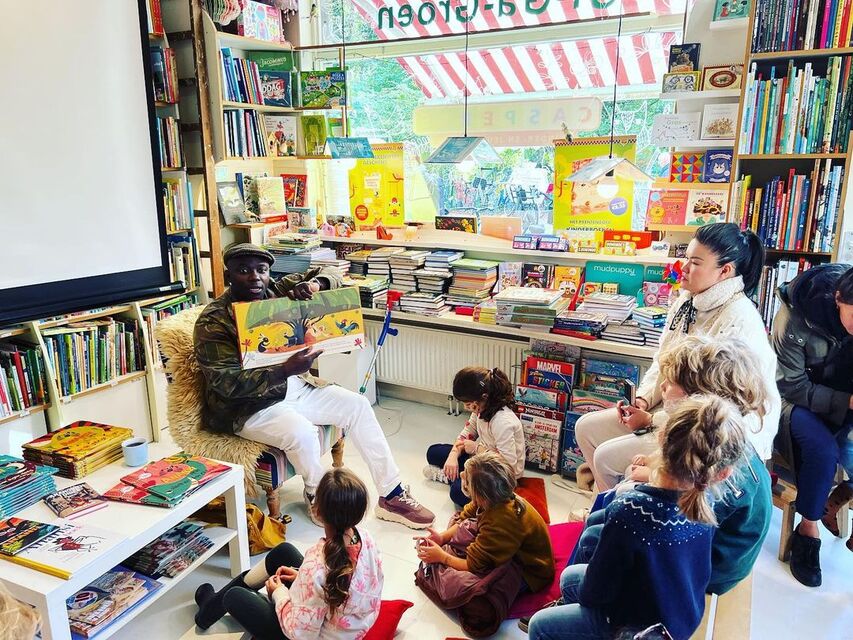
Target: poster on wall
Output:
[(579, 205), (376, 188)]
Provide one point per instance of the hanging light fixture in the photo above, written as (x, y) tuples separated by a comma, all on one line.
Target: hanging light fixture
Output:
[(346, 147), (604, 170), (464, 148)]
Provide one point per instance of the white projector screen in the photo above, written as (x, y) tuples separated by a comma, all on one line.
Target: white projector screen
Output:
[(81, 214)]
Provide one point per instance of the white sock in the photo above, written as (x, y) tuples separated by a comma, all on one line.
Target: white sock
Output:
[(257, 576)]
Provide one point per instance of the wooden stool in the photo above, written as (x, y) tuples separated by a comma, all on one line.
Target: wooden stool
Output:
[(785, 498), (729, 616)]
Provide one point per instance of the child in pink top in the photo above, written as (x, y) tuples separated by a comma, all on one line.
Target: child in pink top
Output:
[(332, 593)]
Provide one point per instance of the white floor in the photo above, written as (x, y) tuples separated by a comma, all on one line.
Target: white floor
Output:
[(782, 608)]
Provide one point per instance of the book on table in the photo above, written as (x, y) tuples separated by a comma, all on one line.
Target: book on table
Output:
[(16, 534), (23, 483), (74, 501)]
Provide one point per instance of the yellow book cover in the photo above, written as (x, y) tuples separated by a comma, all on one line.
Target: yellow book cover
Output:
[(271, 331), (80, 439), (567, 279)]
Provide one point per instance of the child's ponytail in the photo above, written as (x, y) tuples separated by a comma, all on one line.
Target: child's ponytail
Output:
[(703, 438), (340, 502), (476, 384)]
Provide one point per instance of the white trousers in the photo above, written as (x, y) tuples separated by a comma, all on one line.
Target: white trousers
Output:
[(608, 445), (291, 425)]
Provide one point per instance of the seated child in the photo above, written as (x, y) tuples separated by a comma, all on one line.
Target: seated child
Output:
[(743, 504), (508, 528), (333, 592), (488, 395), (653, 561)]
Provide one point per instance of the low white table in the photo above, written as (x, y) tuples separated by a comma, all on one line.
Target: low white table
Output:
[(140, 524)]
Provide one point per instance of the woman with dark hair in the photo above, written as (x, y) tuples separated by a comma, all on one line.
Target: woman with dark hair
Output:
[(723, 267), (812, 337)]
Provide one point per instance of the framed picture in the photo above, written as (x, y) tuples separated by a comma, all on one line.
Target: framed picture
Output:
[(730, 10), (684, 57), (728, 76), (719, 121), (681, 81)]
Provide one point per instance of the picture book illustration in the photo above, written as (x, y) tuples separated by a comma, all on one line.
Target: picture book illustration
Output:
[(16, 534), (322, 89), (76, 499), (271, 331), (70, 547)]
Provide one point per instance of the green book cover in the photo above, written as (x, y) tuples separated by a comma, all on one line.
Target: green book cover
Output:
[(314, 133), (323, 89), (472, 263), (274, 60)]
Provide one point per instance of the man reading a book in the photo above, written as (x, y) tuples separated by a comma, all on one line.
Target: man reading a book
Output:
[(282, 405)]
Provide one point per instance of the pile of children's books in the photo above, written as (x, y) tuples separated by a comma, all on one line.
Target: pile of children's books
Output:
[(442, 260), (59, 549), (486, 312), (627, 332), (472, 283), (74, 501), (432, 280), (651, 321), (541, 404), (524, 306), (424, 303), (166, 482), (403, 266), (372, 290), (78, 449), (97, 605), (172, 552), (358, 261), (377, 261), (23, 483), (617, 307), (580, 324)]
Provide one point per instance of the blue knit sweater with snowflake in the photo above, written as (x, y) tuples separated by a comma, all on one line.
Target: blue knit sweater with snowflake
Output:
[(651, 565)]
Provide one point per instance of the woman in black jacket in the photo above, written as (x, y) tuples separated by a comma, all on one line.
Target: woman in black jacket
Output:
[(814, 346)]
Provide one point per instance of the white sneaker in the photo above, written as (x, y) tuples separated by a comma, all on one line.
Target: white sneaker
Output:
[(309, 504), (436, 474)]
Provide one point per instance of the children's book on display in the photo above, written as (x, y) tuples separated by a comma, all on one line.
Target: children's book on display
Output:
[(75, 501), (172, 552), (23, 483), (166, 482), (78, 449)]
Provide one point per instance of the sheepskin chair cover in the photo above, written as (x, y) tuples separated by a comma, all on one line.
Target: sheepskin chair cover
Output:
[(185, 397)]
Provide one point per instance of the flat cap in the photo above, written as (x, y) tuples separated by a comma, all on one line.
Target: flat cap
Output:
[(246, 249)]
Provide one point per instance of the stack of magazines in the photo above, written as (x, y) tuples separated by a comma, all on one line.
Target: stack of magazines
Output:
[(166, 482), (78, 449), (172, 552), (23, 483)]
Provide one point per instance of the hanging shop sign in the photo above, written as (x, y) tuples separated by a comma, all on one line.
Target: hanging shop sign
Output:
[(376, 188), (516, 123), (595, 205), (425, 13)]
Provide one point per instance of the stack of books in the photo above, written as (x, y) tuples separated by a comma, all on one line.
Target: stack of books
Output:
[(358, 261), (23, 483), (373, 290), (241, 79), (244, 134), (78, 449), (424, 303), (172, 552), (65, 548), (86, 354), (580, 324), (98, 604), (325, 258), (472, 283), (23, 381), (377, 261), (772, 277), (652, 321), (627, 332), (166, 482), (403, 266), (486, 312), (287, 262), (293, 242), (432, 280), (802, 24), (74, 501), (521, 306), (617, 307), (442, 260), (167, 308), (16, 534)]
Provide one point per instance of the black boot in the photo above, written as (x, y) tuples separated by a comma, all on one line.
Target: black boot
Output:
[(805, 559), (210, 602)]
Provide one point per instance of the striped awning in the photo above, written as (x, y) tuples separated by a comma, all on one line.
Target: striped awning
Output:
[(571, 64)]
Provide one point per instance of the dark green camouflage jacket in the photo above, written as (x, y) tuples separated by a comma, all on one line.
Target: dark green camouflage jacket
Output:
[(232, 394)]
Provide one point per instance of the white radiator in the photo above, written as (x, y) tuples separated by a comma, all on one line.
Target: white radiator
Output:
[(427, 359)]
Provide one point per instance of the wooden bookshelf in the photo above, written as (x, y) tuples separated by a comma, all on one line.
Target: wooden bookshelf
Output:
[(729, 25), (673, 228), (792, 156), (263, 108), (13, 332), (792, 252), (83, 317), (39, 408), (243, 43), (128, 377), (700, 95), (799, 53)]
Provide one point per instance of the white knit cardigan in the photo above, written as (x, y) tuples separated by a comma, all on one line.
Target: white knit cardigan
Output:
[(724, 310)]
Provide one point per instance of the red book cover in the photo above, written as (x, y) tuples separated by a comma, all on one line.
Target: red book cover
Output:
[(531, 410)]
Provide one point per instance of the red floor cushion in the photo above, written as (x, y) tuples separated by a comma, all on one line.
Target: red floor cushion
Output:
[(533, 490), (564, 537), (390, 612)]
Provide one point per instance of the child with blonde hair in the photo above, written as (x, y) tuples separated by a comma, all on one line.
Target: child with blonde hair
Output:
[(493, 426), (720, 367), (653, 561)]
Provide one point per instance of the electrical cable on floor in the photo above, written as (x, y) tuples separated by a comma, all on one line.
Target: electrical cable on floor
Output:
[(400, 411), (561, 482)]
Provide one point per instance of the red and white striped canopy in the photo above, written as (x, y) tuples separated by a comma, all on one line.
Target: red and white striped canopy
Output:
[(572, 64)]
